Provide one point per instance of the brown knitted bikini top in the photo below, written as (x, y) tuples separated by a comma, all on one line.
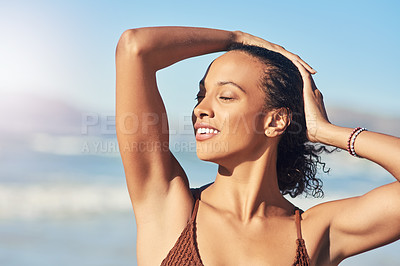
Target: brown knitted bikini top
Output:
[(185, 250)]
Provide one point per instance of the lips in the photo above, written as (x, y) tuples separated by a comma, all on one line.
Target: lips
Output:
[(205, 131)]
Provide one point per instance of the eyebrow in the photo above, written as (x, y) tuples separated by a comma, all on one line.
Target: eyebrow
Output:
[(222, 83)]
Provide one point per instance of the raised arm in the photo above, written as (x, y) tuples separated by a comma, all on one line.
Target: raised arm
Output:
[(157, 184), (151, 170), (369, 221)]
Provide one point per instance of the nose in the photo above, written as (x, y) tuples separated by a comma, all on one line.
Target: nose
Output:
[(204, 108)]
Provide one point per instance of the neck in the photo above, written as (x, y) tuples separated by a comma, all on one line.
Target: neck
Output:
[(250, 189)]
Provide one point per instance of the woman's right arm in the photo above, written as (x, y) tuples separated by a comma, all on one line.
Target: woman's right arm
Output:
[(141, 120), (157, 184)]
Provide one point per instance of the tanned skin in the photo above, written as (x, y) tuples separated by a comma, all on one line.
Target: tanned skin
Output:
[(243, 219)]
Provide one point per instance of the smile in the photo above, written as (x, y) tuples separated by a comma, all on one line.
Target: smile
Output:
[(206, 130), (204, 133)]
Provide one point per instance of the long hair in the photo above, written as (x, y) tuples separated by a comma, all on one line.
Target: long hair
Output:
[(298, 159)]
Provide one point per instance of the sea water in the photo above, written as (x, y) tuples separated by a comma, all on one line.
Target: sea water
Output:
[(75, 209)]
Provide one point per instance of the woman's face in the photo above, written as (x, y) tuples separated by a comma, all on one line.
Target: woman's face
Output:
[(228, 118)]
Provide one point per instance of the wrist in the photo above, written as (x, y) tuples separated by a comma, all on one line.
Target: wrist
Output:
[(333, 135), (323, 133)]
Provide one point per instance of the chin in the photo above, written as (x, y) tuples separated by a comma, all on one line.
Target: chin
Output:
[(214, 152), (219, 153)]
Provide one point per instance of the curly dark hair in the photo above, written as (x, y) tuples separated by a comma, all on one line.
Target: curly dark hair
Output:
[(298, 159)]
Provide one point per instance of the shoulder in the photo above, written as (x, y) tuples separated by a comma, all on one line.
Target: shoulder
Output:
[(316, 226), (324, 214)]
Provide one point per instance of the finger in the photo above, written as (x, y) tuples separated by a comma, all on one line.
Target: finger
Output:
[(303, 71), (293, 57), (307, 66), (305, 74)]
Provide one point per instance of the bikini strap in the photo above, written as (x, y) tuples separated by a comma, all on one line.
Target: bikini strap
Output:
[(194, 212), (196, 196), (298, 222)]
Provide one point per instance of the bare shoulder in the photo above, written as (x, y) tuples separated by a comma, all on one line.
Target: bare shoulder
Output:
[(316, 226), (342, 228), (321, 217)]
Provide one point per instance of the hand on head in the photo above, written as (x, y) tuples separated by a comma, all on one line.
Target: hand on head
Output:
[(314, 108), (248, 39)]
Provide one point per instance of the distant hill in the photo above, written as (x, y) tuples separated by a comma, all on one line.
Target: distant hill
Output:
[(343, 116), (23, 116)]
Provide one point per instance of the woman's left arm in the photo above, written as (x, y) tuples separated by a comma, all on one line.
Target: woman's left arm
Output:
[(369, 221)]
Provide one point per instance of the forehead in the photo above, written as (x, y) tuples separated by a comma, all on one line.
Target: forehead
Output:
[(237, 67)]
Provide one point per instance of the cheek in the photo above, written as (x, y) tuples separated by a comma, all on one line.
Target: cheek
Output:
[(245, 133), (246, 124)]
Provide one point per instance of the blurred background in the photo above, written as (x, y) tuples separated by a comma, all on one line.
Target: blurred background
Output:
[(63, 199)]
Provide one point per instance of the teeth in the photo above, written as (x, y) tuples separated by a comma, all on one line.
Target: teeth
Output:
[(203, 130)]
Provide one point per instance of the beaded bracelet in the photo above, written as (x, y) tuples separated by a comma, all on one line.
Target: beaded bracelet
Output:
[(352, 140)]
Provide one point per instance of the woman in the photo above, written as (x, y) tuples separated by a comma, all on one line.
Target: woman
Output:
[(251, 101)]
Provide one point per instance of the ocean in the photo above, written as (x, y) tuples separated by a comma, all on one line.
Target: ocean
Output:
[(74, 209)]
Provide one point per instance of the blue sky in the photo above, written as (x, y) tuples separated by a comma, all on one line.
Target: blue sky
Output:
[(65, 49)]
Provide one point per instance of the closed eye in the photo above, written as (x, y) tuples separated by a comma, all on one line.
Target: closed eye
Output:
[(226, 98)]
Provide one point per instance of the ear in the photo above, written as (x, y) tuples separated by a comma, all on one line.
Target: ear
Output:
[(276, 121)]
